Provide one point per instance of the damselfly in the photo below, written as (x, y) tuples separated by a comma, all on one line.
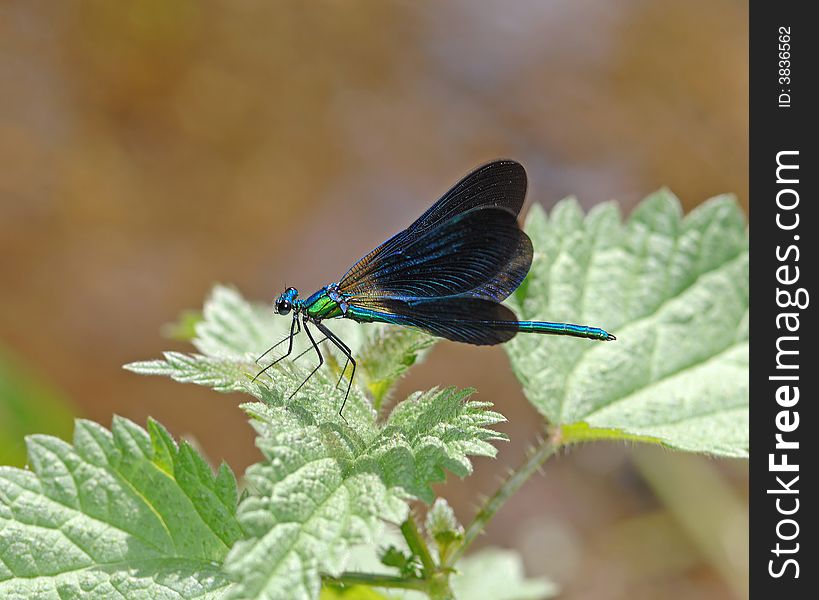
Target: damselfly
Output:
[(445, 274)]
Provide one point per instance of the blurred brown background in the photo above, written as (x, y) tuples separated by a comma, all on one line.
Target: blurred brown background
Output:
[(149, 148)]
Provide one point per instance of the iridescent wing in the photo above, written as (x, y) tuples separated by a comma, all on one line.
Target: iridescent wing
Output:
[(461, 319), (500, 185), (466, 243), (480, 253)]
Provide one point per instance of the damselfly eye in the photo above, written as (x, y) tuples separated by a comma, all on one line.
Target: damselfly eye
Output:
[(283, 307)]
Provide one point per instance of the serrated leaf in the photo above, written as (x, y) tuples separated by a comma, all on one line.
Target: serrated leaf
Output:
[(443, 527), (431, 432), (497, 574), (324, 488), (233, 333), (387, 354), (673, 290), (489, 574), (407, 564), (326, 483), (233, 327), (124, 513)]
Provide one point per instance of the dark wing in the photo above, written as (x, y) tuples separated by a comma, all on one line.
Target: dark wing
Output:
[(499, 184), (509, 276), (461, 319), (480, 253)]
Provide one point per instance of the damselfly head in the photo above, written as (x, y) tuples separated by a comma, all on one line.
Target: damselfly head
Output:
[(284, 303)]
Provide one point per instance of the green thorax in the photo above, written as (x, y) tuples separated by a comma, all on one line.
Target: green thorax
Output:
[(326, 303)]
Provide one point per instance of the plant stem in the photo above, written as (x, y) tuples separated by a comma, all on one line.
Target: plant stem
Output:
[(418, 545), (436, 580), (376, 580), (513, 483)]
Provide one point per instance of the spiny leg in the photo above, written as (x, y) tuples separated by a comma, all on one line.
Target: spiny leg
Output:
[(293, 333), (273, 347), (346, 350), (350, 360), (321, 341), (303, 352), (344, 370), (279, 343), (318, 366)]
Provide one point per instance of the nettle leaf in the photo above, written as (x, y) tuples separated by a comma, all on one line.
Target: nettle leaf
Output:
[(497, 574), (488, 574), (432, 431), (673, 290), (304, 510), (125, 513), (323, 488), (443, 527), (233, 333), (326, 483), (387, 354)]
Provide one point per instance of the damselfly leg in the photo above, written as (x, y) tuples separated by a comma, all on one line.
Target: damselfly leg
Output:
[(328, 335), (346, 351), (318, 353), (293, 333), (282, 341)]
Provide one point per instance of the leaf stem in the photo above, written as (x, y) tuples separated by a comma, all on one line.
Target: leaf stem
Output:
[(540, 454), (434, 583), (351, 578), (436, 579), (418, 545)]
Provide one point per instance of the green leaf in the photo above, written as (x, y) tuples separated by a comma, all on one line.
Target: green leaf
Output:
[(184, 328), (233, 333), (387, 354), (443, 527), (304, 508), (496, 574), (356, 592), (125, 513), (324, 488), (407, 564), (432, 431), (489, 574), (673, 290), (27, 405), (326, 483)]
